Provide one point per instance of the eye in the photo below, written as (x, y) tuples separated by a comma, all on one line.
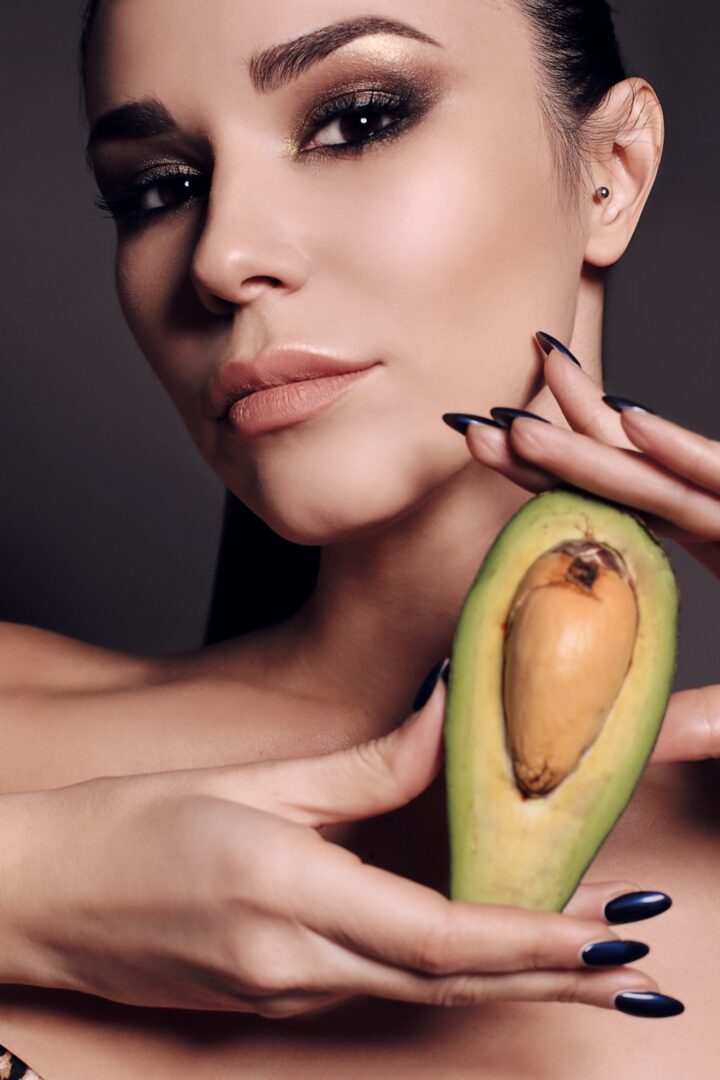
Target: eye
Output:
[(166, 191), (350, 122), (154, 193)]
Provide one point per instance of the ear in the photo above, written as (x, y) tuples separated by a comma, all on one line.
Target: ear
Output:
[(627, 132)]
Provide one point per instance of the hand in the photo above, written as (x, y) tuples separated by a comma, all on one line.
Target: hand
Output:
[(667, 473), (213, 889)]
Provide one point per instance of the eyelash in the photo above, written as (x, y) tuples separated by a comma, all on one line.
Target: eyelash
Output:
[(403, 102)]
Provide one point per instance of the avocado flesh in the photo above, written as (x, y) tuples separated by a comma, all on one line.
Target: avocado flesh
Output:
[(531, 852)]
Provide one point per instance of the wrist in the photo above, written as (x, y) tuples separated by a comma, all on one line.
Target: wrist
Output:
[(23, 866)]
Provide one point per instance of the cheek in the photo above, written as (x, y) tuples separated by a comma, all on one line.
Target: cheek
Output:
[(467, 247), (151, 283), (142, 286), (461, 230)]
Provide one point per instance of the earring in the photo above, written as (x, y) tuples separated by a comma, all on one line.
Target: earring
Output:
[(603, 192)]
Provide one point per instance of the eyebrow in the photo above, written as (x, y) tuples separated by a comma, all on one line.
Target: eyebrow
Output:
[(278, 65), (268, 70)]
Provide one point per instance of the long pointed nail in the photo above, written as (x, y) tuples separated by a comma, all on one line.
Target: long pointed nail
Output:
[(631, 907), (619, 404), (462, 421), (430, 682), (548, 343), (611, 953), (505, 417), (648, 1003)]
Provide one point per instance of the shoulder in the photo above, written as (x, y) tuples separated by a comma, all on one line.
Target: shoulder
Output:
[(43, 660)]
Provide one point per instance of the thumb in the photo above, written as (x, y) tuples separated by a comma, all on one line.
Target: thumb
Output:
[(690, 730), (361, 781)]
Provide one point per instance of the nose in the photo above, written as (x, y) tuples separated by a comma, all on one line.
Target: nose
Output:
[(247, 245)]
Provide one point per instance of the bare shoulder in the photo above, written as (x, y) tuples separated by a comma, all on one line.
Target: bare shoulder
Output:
[(43, 660)]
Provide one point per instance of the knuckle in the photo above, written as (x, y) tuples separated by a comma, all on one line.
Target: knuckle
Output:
[(436, 946), (272, 979), (379, 765), (256, 970), (538, 951), (280, 1007), (537, 955), (571, 989), (463, 991), (540, 935)]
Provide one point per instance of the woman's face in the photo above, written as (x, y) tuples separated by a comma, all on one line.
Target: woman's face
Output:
[(434, 250)]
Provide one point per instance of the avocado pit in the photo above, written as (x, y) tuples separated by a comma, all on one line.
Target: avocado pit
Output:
[(569, 640)]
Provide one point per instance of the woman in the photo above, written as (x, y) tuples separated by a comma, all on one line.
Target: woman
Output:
[(486, 208)]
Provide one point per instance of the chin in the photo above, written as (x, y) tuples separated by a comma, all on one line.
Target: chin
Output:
[(342, 483), (324, 515)]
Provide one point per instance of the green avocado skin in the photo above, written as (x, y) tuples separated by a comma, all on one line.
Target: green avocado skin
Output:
[(506, 848)]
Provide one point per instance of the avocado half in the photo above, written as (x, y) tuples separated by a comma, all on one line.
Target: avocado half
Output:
[(561, 670)]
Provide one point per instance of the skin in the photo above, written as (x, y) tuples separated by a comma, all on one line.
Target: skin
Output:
[(433, 224), (440, 252)]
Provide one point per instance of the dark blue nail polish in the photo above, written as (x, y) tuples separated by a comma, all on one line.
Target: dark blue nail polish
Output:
[(619, 404), (462, 421), (647, 1003), (428, 684), (505, 417), (604, 953), (548, 343), (633, 906)]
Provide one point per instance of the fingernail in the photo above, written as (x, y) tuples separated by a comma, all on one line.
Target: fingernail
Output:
[(648, 1003), (462, 421), (428, 684), (619, 404), (633, 906), (604, 953), (505, 417), (548, 343)]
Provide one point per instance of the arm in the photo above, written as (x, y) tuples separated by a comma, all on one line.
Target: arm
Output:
[(42, 660), (181, 889)]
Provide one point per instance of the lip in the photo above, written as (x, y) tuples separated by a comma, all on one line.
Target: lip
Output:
[(237, 379), (289, 403)]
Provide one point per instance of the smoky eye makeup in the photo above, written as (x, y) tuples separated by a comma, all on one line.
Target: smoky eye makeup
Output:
[(352, 115), (156, 190)]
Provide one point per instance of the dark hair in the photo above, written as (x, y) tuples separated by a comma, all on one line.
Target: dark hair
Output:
[(579, 60)]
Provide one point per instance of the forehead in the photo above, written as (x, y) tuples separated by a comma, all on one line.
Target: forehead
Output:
[(183, 52)]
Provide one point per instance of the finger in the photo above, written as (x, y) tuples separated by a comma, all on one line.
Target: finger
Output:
[(581, 401), (585, 987), (706, 552), (691, 728), (686, 453), (354, 974), (361, 781), (625, 476), (491, 447), (397, 921), (589, 899)]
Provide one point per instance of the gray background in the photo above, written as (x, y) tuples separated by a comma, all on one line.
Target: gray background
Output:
[(110, 521)]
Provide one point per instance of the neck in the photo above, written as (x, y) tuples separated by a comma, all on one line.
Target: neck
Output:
[(386, 606)]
